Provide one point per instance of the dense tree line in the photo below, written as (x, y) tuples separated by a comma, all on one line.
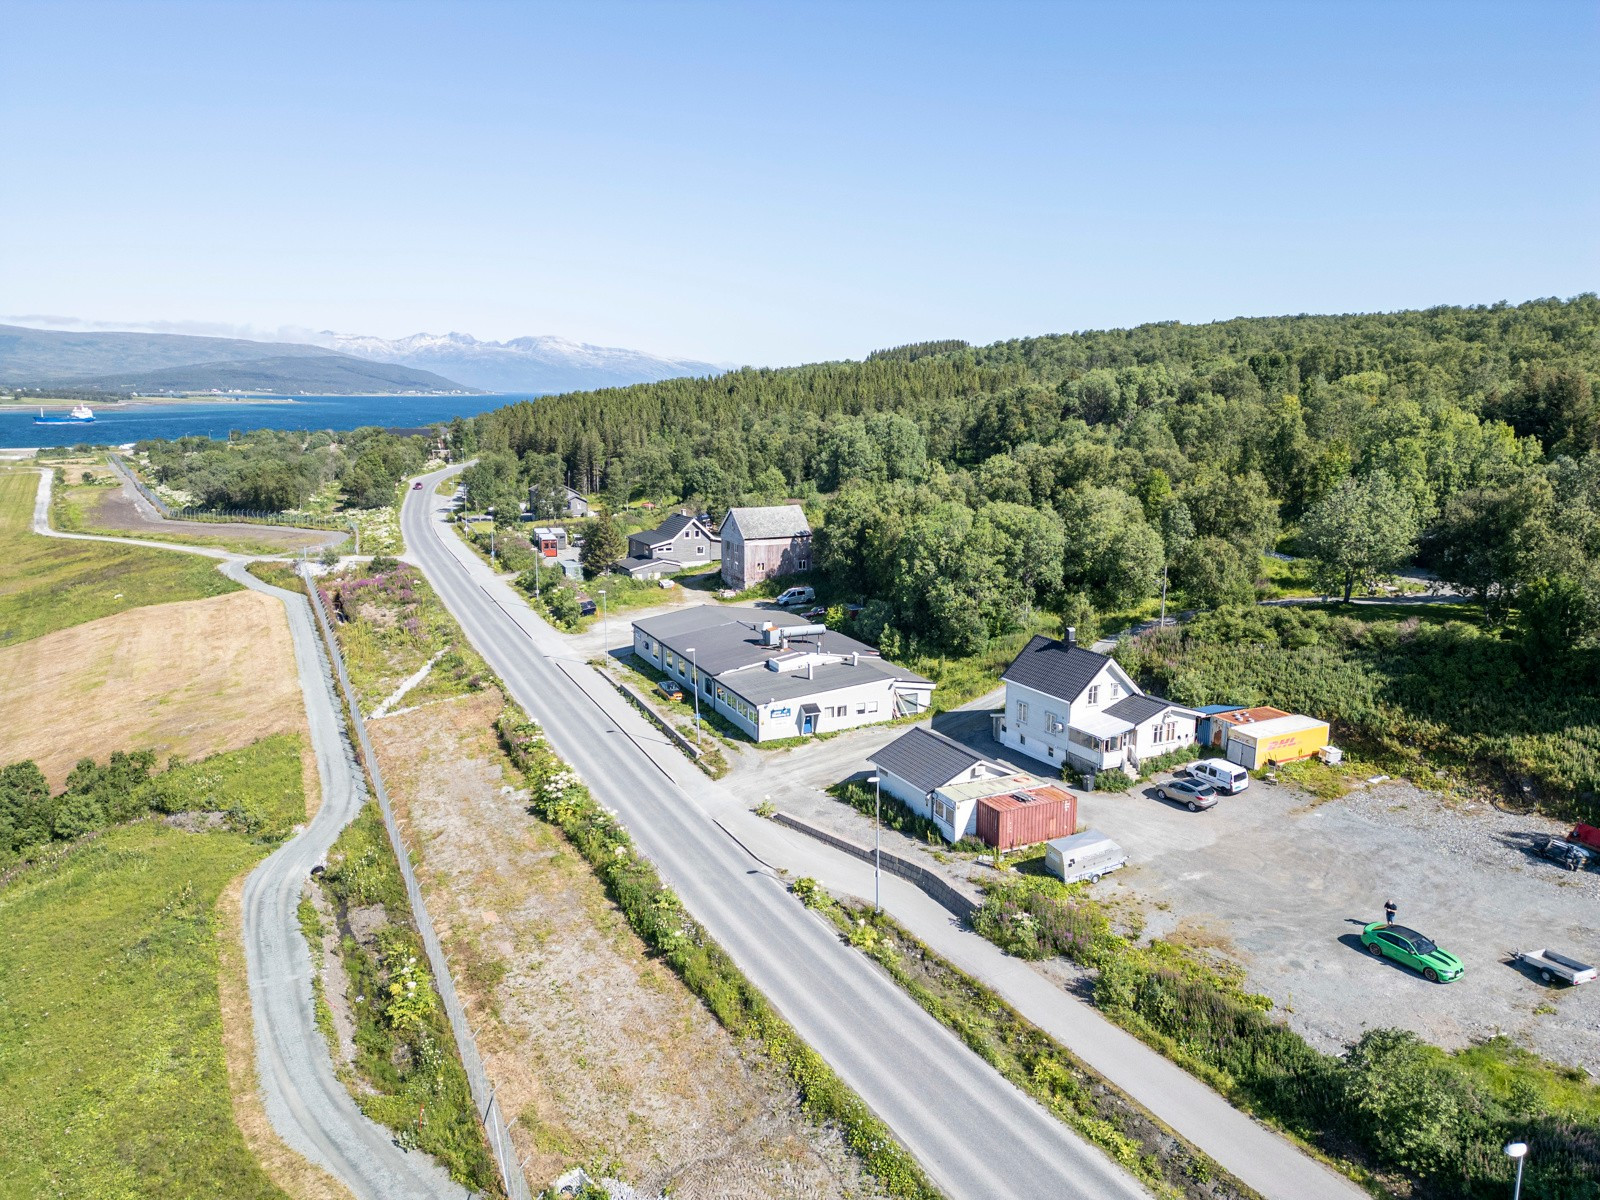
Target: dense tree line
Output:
[(275, 470), (959, 487)]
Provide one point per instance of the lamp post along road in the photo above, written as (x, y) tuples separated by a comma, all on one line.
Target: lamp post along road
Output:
[(694, 682), (877, 841), (605, 625), (1518, 1151)]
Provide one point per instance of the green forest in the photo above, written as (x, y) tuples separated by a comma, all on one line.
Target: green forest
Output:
[(278, 470), (963, 491)]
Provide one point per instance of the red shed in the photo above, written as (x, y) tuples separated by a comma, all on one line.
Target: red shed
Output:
[(1025, 818)]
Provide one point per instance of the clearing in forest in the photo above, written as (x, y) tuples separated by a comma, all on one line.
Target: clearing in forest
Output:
[(189, 679), (600, 1055)]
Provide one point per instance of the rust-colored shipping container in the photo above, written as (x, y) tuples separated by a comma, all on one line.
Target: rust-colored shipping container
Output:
[(1025, 818)]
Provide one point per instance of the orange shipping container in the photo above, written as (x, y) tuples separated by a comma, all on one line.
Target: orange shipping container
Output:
[(1025, 818)]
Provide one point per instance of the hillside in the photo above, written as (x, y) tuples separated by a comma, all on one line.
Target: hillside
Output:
[(525, 364), (157, 362), (320, 375)]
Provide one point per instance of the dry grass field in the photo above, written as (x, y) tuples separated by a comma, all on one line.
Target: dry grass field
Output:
[(190, 678), (599, 1052)]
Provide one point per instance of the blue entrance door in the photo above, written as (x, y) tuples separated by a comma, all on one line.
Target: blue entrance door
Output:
[(808, 723)]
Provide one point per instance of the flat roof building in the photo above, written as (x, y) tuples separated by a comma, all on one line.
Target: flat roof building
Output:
[(774, 675)]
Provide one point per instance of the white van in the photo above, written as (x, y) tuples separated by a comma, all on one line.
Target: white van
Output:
[(798, 595), (1223, 775), (1087, 855)]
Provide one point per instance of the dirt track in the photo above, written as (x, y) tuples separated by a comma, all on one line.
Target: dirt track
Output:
[(123, 509)]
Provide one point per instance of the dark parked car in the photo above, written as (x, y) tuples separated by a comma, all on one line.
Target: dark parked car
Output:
[(815, 614), (1568, 854), (1196, 793)]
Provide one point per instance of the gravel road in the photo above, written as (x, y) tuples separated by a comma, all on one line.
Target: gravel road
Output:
[(307, 1105)]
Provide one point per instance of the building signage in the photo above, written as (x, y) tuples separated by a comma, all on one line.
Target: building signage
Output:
[(778, 712)]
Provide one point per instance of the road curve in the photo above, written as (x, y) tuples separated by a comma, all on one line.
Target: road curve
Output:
[(975, 1134), (307, 1105)]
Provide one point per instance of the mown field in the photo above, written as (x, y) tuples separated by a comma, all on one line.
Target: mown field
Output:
[(48, 584), (113, 1081)]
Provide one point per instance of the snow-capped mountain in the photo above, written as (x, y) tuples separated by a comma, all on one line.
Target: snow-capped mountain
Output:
[(525, 364)]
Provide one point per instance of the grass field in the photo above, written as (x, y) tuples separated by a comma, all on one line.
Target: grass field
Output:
[(48, 584), (113, 1081), (191, 679)]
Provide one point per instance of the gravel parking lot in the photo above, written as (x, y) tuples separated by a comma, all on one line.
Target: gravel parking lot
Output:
[(1282, 884)]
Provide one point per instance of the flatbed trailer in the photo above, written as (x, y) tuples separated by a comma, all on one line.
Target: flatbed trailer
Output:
[(1552, 966)]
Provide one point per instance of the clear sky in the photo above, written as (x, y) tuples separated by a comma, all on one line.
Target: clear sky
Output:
[(773, 183)]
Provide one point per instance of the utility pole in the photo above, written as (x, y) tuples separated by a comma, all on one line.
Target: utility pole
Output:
[(877, 841), (1163, 595)]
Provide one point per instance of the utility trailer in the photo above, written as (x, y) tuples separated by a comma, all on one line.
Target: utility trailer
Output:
[(1552, 966)]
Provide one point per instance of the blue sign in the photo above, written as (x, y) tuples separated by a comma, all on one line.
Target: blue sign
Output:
[(778, 712)]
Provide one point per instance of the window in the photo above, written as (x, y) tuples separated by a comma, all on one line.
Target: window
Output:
[(1078, 738), (699, 549), (872, 706), (861, 709), (1022, 712), (1094, 694), (1116, 689), (705, 681), (842, 710), (805, 565), (1051, 722)]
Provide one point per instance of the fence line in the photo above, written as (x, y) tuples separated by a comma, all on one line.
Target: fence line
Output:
[(489, 1111), (935, 885), (223, 516)]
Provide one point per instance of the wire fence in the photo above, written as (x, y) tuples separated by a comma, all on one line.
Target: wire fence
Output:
[(226, 516), (489, 1112)]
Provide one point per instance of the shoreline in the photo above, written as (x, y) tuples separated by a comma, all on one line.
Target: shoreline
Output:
[(232, 398)]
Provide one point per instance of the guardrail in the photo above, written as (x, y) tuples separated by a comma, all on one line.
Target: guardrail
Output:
[(489, 1111)]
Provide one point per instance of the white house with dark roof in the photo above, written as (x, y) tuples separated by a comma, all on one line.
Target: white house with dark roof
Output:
[(679, 543), (774, 675), (921, 761), (758, 543), (1077, 709)]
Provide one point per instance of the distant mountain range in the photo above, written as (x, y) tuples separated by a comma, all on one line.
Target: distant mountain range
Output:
[(341, 365), (525, 364), (152, 363)]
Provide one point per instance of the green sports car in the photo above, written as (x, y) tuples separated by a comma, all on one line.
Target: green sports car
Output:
[(1415, 950)]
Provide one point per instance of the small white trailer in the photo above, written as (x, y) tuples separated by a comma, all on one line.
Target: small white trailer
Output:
[(1552, 966)]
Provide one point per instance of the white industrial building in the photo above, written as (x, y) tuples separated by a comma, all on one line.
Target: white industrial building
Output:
[(774, 675)]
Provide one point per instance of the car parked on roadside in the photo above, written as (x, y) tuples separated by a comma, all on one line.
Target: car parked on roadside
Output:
[(815, 614), (1195, 793), (797, 595), (670, 689), (1411, 949)]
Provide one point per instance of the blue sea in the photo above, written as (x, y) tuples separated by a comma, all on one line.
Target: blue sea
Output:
[(115, 424)]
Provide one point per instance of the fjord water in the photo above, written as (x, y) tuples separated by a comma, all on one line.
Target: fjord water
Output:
[(115, 424)]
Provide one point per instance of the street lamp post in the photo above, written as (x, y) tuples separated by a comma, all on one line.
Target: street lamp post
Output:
[(694, 682), (877, 841), (1518, 1151), (605, 622)]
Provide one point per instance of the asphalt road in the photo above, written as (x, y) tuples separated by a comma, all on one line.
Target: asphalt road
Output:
[(307, 1105), (976, 1135)]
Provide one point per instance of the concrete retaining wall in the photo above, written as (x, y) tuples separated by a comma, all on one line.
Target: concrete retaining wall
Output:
[(931, 882)]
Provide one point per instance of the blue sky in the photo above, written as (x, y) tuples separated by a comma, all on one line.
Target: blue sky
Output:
[(773, 183)]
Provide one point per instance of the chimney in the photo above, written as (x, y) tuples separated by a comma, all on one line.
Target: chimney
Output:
[(1072, 636), (810, 664)]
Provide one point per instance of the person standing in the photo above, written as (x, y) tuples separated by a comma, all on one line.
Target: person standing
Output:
[(1389, 910)]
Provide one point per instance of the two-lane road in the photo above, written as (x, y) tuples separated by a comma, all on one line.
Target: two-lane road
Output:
[(975, 1134)]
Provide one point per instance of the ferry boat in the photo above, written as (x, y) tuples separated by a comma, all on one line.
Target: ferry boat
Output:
[(81, 414)]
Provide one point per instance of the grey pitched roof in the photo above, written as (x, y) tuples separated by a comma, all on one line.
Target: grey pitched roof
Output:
[(1138, 709), (925, 759), (776, 521), (668, 529), (1054, 668)]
